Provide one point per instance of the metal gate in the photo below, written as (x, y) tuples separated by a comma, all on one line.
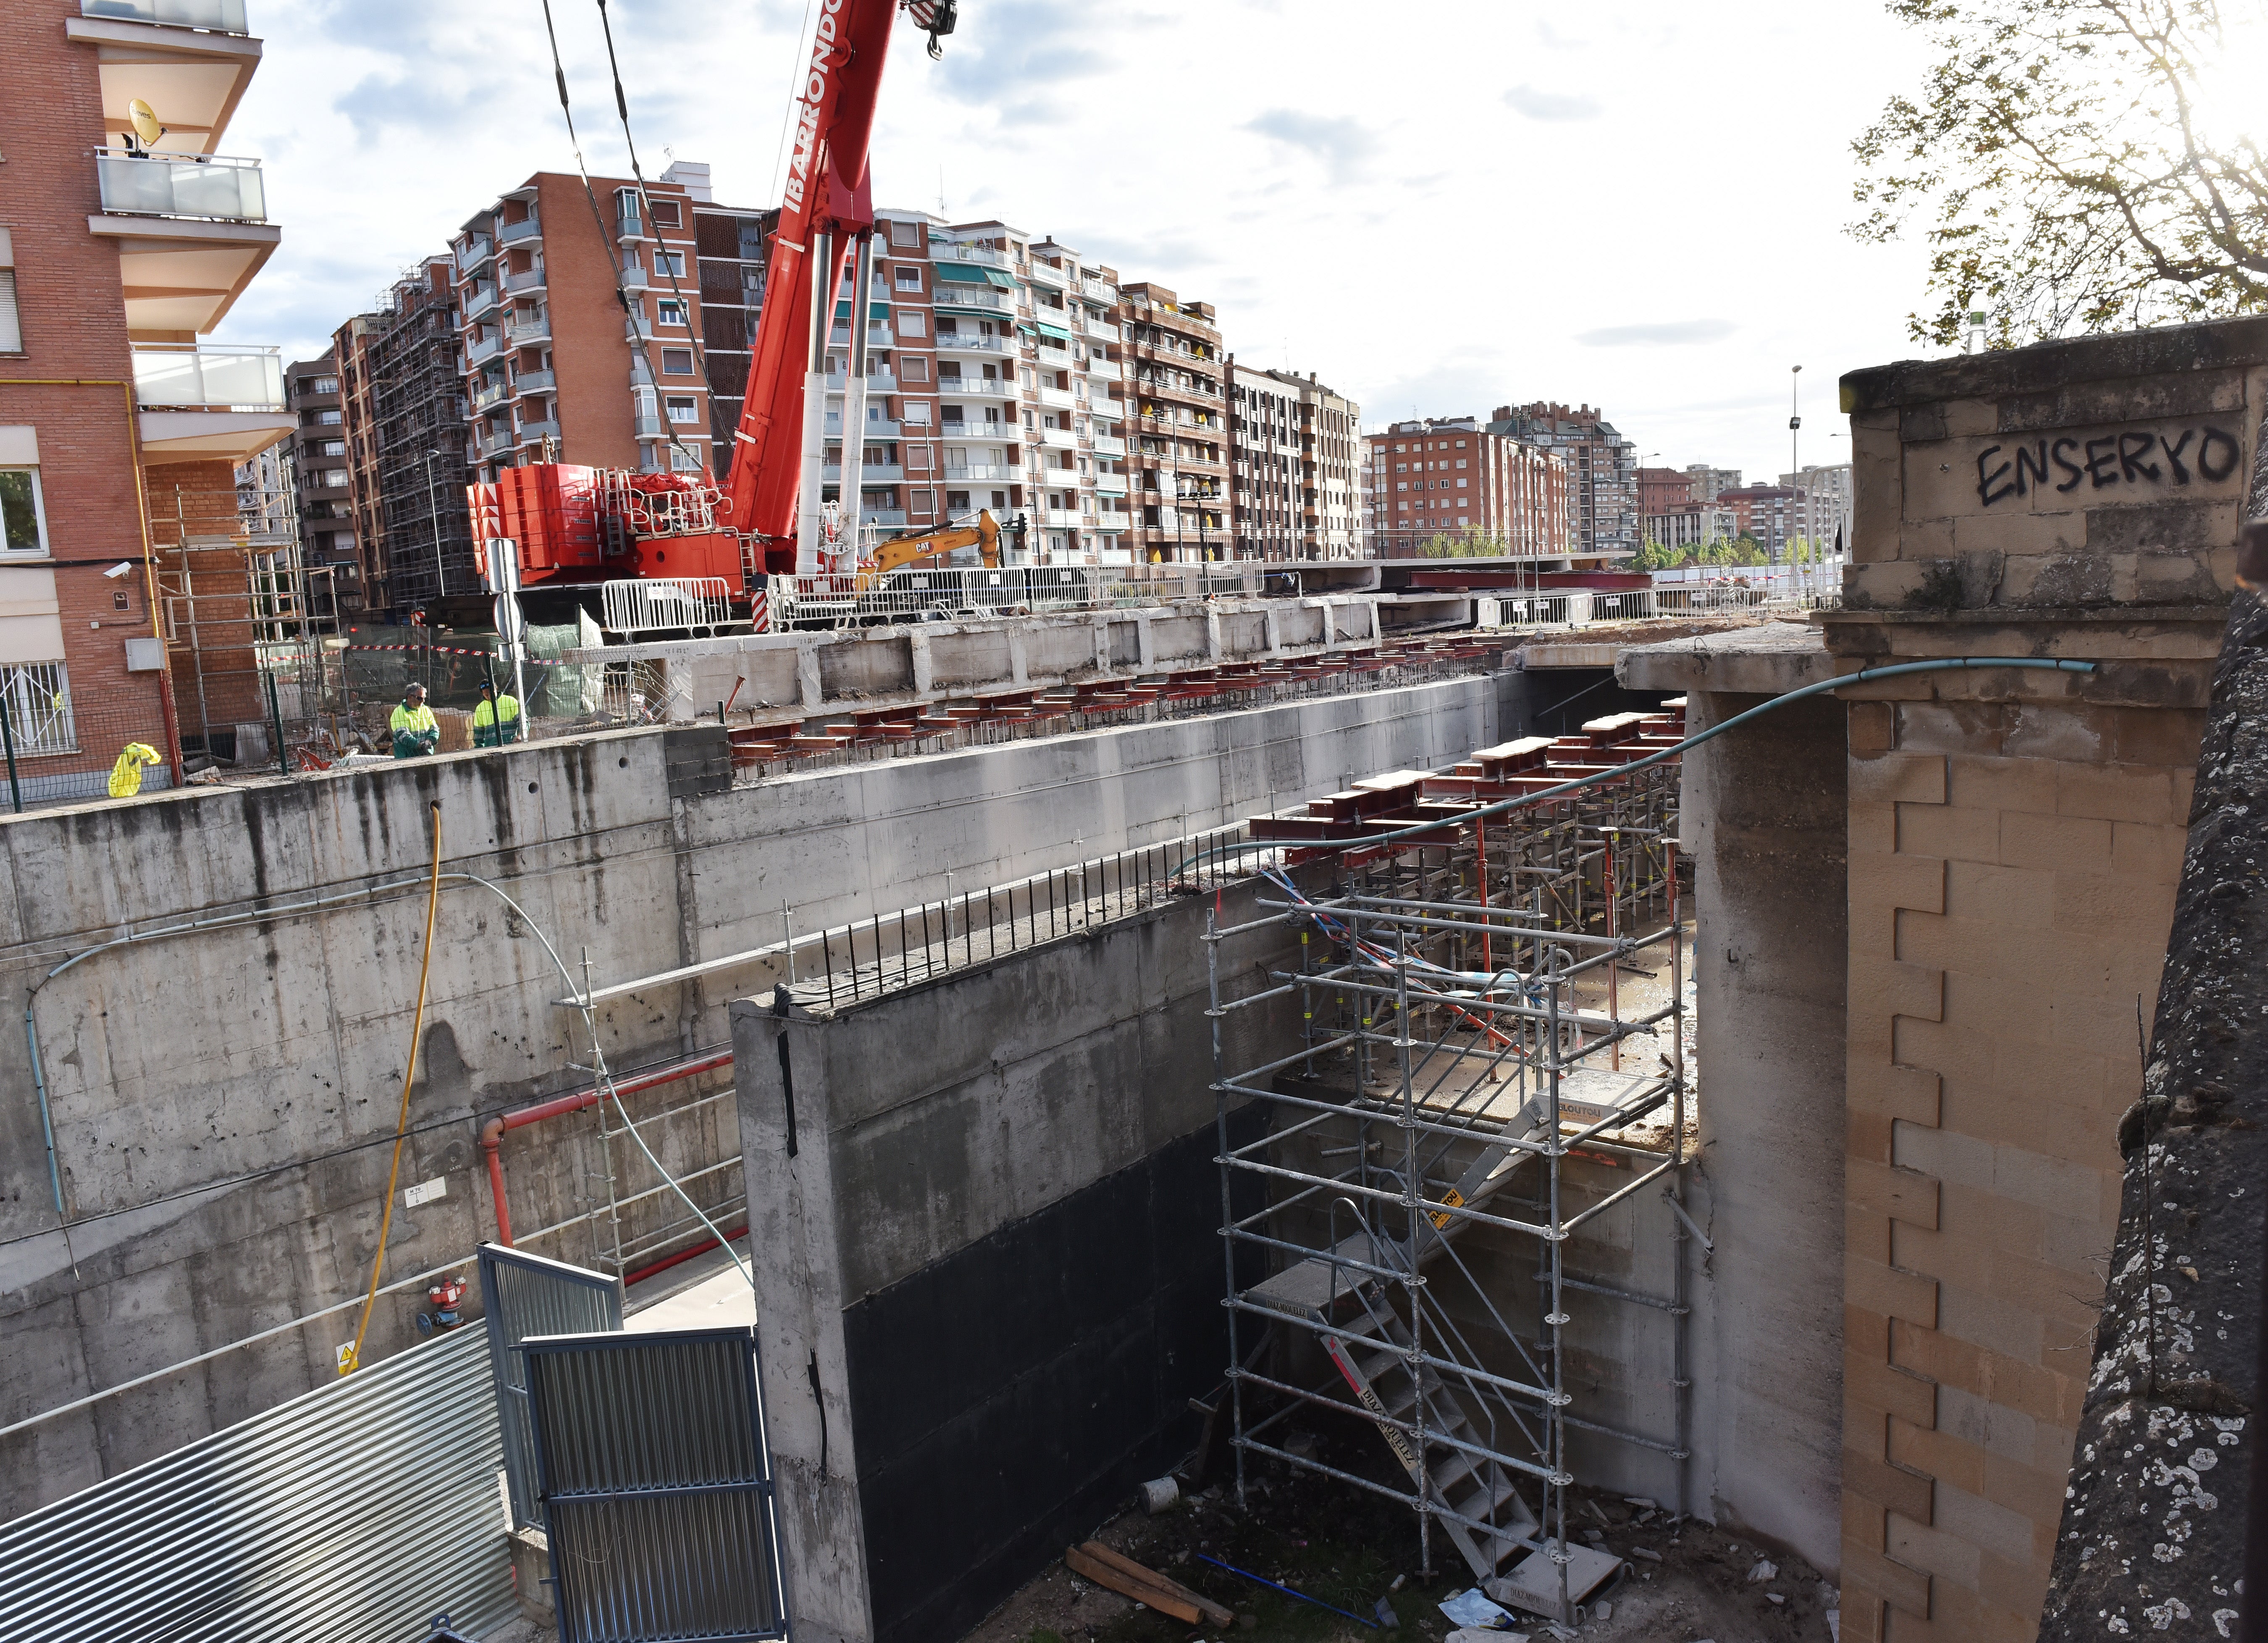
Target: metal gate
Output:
[(354, 1514), (524, 1295), (656, 1484)]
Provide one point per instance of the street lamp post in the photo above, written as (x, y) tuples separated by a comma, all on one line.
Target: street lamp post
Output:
[(1794, 424), (433, 502)]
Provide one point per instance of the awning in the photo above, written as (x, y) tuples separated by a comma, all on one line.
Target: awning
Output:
[(960, 274), (877, 313), (1055, 331)]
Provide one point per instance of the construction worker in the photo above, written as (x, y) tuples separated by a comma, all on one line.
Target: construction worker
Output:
[(126, 775), (416, 732), (495, 721)]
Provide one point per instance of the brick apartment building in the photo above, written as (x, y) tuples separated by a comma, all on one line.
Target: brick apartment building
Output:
[(1826, 504), (119, 432), (1178, 383), (1772, 515), (1294, 456), (1601, 469), (1453, 479)]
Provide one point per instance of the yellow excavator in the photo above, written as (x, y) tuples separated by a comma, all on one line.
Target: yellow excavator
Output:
[(909, 552)]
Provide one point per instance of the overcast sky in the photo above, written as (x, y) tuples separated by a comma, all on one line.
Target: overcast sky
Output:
[(1437, 208)]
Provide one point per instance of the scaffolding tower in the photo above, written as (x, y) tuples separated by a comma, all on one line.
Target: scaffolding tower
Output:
[(1478, 1081)]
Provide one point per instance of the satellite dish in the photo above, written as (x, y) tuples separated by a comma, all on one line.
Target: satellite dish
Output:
[(144, 122)]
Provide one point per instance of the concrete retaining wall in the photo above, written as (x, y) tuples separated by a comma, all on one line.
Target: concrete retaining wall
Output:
[(223, 1100), (988, 1275)]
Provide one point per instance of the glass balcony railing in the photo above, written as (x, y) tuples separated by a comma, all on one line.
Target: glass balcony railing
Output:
[(526, 228), (163, 185), (224, 16), (179, 376)]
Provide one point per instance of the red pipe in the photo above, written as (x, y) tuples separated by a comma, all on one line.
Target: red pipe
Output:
[(493, 1131), (668, 1261)]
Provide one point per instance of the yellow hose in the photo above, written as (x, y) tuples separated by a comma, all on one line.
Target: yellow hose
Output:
[(353, 1359)]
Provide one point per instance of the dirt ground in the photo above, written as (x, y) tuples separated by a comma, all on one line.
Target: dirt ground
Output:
[(1348, 1548)]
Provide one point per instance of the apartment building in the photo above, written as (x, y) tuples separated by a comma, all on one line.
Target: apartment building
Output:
[(1030, 422), (1177, 383), (554, 369), (900, 483), (731, 249), (1662, 491), (116, 257), (1772, 515), (1295, 460), (404, 426), (323, 500), (1709, 483), (1601, 469), (1453, 482), (1692, 525), (1826, 490)]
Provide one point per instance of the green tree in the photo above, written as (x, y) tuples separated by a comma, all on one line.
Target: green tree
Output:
[(2077, 165), (1471, 544)]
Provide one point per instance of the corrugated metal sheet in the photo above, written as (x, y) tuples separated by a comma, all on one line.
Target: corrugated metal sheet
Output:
[(656, 1482), (353, 1514), (524, 1295)]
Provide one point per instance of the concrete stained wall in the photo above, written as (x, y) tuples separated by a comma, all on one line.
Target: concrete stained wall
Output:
[(994, 1279), (222, 1100), (1763, 815)]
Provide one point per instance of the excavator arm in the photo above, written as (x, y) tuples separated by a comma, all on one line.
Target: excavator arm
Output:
[(984, 536)]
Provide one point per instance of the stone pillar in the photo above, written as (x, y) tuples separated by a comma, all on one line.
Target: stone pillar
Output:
[(2014, 842)]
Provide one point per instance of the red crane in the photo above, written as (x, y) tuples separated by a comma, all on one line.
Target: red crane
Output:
[(582, 525)]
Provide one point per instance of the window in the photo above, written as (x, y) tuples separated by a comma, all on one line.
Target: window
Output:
[(677, 362), (12, 329), (916, 413), (909, 278), (914, 369), (667, 263), (912, 324), (665, 214), (683, 409), (38, 696), (684, 460), (1461, 460), (672, 311), (905, 234), (924, 501), (1462, 484), (332, 448), (23, 517)]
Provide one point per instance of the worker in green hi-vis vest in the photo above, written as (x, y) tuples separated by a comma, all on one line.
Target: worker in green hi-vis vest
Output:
[(416, 732), (496, 719)]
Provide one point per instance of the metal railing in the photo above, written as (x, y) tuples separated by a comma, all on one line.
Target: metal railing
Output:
[(526, 228), (223, 17), (183, 374), (986, 386), (163, 185), (959, 342), (842, 600), (662, 604), (892, 952)]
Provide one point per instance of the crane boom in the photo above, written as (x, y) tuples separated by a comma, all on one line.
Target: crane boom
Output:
[(826, 204)]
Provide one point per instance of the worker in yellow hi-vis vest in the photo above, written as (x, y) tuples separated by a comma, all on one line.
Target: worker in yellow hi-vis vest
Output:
[(126, 775), (495, 721), (416, 732)]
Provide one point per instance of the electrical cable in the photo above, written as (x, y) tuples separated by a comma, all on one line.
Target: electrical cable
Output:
[(353, 1359)]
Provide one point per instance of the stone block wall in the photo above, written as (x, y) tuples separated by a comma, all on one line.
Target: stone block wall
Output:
[(2015, 838)]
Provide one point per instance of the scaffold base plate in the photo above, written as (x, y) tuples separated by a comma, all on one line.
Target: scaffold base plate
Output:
[(1534, 1584)]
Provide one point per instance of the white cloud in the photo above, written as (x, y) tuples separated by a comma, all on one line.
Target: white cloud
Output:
[(1358, 201), (1552, 105)]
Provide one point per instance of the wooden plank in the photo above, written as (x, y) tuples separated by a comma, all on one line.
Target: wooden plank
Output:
[(1129, 1578)]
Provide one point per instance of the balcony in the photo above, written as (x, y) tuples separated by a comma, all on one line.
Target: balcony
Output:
[(1099, 290), (634, 276), (522, 332), (203, 404), (963, 343), (531, 432), (215, 190), (649, 427), (534, 382), (512, 234), (1119, 521), (481, 300), (1058, 438), (1109, 444), (877, 382), (974, 297), (876, 428), (1060, 399), (883, 516), (494, 393), (975, 387), (977, 255), (877, 336), (1110, 484), (475, 255), (869, 473), (1041, 274), (532, 280), (191, 60), (483, 347), (497, 444), (975, 471)]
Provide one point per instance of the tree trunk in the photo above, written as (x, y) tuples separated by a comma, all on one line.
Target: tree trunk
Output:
[(2153, 1535)]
